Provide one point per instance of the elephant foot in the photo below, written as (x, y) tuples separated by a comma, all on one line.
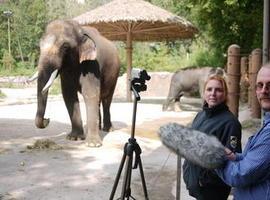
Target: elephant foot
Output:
[(74, 137), (42, 122), (94, 141)]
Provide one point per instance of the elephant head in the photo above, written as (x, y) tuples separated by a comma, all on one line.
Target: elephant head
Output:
[(63, 46)]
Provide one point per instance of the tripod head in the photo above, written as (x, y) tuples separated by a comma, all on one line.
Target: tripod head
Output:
[(138, 81)]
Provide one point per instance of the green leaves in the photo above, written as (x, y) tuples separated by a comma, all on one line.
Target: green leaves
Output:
[(220, 23)]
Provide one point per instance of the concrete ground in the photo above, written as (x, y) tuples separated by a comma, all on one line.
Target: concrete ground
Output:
[(68, 170)]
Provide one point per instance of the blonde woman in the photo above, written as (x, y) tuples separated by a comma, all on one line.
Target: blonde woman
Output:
[(214, 119)]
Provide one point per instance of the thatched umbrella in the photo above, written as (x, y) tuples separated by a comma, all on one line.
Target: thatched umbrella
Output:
[(136, 20)]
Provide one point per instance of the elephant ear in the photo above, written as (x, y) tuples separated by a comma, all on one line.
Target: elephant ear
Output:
[(87, 49)]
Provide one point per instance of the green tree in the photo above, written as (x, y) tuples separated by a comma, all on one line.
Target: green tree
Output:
[(220, 22), (27, 23), (225, 22)]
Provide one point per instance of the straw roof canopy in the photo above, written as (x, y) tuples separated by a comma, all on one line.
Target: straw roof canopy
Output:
[(145, 21)]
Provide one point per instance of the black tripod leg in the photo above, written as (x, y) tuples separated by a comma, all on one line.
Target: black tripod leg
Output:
[(127, 178), (118, 176), (143, 179), (128, 188)]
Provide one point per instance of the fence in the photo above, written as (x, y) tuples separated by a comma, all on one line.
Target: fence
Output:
[(241, 73)]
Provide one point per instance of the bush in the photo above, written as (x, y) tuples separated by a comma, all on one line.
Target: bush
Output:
[(153, 57), (8, 61), (206, 58), (25, 68)]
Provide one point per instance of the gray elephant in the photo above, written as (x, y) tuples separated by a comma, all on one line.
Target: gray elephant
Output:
[(87, 63), (187, 80)]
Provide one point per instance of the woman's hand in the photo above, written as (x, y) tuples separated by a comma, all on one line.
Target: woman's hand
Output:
[(229, 154)]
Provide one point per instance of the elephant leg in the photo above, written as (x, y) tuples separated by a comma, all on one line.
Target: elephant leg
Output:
[(70, 96), (175, 93), (107, 124), (91, 94), (176, 103)]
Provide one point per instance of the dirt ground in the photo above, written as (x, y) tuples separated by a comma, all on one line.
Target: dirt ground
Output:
[(42, 164)]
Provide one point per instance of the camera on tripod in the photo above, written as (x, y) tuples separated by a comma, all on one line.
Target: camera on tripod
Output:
[(138, 78), (137, 84)]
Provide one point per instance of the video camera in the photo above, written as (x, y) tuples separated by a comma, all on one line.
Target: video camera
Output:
[(138, 78)]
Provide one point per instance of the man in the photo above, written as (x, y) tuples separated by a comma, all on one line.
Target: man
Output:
[(249, 172)]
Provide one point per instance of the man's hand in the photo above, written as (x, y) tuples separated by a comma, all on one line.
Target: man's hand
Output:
[(229, 154)]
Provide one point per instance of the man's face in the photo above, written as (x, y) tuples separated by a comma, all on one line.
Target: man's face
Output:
[(263, 88)]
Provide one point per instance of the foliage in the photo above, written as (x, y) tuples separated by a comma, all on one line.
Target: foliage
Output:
[(156, 56), (227, 22), (221, 23), (183, 53), (7, 61), (26, 26), (18, 69), (67, 9)]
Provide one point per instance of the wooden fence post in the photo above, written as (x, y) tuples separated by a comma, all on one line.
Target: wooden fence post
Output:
[(233, 72), (249, 79), (256, 65), (244, 80)]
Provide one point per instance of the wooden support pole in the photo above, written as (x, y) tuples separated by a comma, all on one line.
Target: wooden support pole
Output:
[(256, 65), (129, 65), (244, 82), (233, 72), (249, 79)]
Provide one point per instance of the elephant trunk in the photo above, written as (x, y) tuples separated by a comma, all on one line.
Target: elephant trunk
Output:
[(45, 80)]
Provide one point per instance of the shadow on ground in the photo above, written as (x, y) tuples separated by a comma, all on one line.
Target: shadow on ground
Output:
[(75, 171)]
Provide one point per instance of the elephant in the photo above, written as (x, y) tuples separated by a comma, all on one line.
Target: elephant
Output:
[(187, 80), (87, 63)]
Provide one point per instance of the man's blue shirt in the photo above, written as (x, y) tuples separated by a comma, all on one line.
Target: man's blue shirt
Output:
[(249, 174)]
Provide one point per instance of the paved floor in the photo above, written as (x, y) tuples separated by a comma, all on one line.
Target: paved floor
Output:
[(76, 171)]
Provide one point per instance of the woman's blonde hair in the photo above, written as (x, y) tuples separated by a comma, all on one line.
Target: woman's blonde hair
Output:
[(222, 80)]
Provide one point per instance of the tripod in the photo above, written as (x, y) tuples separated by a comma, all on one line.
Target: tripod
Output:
[(130, 148)]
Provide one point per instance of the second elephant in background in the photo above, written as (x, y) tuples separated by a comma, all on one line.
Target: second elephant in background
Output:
[(187, 80)]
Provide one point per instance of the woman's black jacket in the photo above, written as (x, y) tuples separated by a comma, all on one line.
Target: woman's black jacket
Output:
[(220, 122)]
